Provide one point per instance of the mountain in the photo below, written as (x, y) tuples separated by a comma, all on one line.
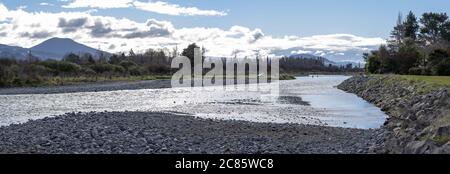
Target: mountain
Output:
[(326, 61), (57, 48), (54, 48), (304, 56), (310, 56), (13, 51)]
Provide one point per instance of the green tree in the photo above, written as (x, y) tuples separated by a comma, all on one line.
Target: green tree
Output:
[(387, 64), (408, 56), (446, 31), (87, 59), (136, 71), (373, 63), (131, 53), (114, 59), (189, 52), (71, 57), (398, 34), (435, 27), (439, 62), (127, 64), (7, 76), (68, 67), (103, 68), (411, 26)]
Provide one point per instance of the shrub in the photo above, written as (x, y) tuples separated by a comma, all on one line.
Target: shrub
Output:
[(127, 64), (68, 67), (136, 71), (88, 71), (439, 62), (158, 69), (7, 76), (118, 69), (102, 68)]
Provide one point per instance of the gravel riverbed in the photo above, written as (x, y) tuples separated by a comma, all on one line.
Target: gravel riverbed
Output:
[(88, 87), (91, 87), (167, 133)]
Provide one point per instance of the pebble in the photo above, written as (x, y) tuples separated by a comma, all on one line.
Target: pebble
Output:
[(126, 133)]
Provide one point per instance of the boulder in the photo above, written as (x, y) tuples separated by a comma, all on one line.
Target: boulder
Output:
[(420, 147), (445, 149), (443, 131)]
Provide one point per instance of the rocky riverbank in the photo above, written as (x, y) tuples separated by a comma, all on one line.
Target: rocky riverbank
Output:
[(419, 114), (164, 133)]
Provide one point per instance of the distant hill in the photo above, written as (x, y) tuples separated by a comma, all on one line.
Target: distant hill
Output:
[(13, 51), (326, 61), (310, 56), (54, 48)]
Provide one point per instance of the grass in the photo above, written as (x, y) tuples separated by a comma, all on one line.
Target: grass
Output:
[(429, 83), (423, 84), (432, 80), (441, 140)]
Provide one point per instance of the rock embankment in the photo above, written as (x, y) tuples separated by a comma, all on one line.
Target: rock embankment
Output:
[(163, 133), (419, 115)]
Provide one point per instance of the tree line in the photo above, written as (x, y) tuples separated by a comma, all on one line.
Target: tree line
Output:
[(153, 62), (299, 65), (416, 47), (33, 71)]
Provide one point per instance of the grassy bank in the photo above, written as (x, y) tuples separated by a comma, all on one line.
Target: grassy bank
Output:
[(432, 80), (426, 84), (422, 84)]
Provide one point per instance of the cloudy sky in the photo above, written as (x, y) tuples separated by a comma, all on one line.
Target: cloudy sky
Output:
[(338, 29)]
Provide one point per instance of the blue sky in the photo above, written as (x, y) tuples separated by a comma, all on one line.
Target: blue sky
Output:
[(364, 19), (370, 18)]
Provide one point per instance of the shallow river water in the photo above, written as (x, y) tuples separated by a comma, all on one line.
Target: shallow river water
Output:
[(306, 100)]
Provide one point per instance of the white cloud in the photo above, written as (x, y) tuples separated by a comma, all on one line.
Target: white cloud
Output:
[(46, 4), (3, 10), (320, 53), (29, 28), (174, 9), (22, 7), (301, 52), (102, 4), (150, 6)]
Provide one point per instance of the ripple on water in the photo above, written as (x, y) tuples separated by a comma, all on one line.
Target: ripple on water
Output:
[(305, 100)]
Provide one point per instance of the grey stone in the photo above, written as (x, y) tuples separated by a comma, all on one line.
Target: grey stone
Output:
[(125, 133), (443, 131)]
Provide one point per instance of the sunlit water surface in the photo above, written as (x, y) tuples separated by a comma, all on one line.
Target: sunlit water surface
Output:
[(327, 104)]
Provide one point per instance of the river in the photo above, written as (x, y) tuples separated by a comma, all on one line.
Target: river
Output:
[(306, 100)]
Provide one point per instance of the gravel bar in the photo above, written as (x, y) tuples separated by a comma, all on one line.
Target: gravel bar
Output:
[(169, 133), (88, 87)]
